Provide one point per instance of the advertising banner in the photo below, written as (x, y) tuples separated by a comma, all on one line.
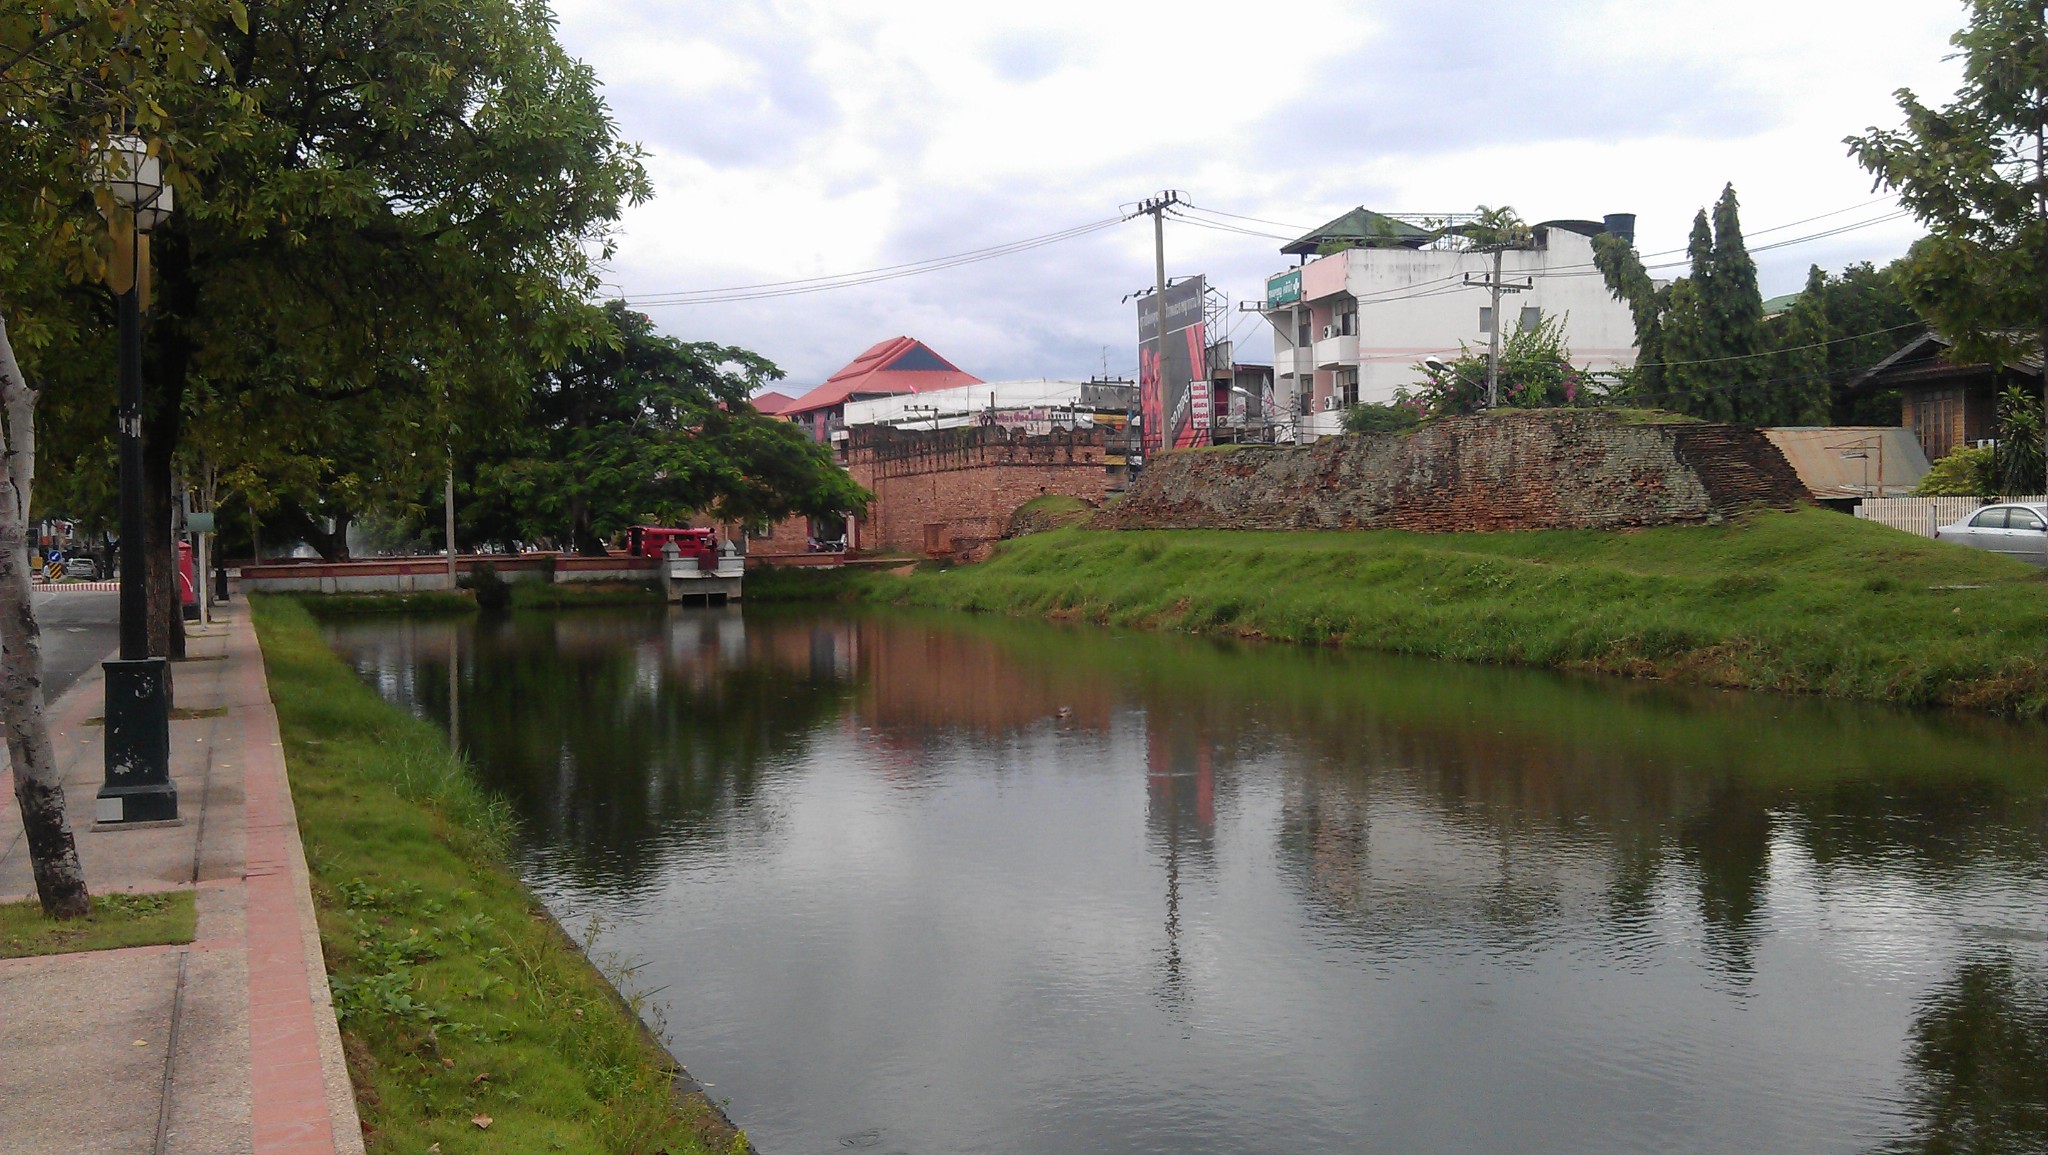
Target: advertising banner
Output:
[(1283, 289), (1167, 368)]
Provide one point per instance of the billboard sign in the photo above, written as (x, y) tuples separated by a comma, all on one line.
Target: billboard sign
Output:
[(1283, 289), (1167, 369)]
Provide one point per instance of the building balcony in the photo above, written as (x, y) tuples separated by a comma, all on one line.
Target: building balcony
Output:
[(1336, 352), (1293, 363)]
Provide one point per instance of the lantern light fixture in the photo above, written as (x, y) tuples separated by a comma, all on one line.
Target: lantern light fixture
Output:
[(135, 179)]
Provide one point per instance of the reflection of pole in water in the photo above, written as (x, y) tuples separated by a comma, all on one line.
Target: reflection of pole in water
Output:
[(454, 691), (1181, 804)]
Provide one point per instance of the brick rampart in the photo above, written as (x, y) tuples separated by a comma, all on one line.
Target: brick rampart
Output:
[(1562, 469), (952, 492)]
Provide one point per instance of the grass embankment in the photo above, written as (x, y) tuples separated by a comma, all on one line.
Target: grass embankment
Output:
[(117, 920), (460, 1000), (1802, 602)]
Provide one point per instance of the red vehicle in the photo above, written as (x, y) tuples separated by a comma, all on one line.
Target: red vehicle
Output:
[(647, 540)]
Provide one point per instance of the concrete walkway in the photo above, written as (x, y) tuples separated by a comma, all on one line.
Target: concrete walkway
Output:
[(224, 1045)]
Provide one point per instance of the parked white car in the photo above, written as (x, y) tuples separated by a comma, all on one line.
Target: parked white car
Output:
[(2019, 531), (81, 567)]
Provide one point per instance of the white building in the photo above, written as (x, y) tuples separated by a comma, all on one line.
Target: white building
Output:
[(1352, 325), (1037, 406)]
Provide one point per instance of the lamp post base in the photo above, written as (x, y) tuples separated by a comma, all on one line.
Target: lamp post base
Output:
[(138, 744)]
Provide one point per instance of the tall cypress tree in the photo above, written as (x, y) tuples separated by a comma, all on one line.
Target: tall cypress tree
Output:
[(1736, 307), (1799, 392)]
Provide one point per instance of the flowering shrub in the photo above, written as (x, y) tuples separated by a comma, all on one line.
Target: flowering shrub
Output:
[(1536, 372)]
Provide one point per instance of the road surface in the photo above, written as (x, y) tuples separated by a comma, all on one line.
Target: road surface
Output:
[(80, 630)]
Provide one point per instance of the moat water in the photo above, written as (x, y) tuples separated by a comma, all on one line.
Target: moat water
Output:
[(944, 884)]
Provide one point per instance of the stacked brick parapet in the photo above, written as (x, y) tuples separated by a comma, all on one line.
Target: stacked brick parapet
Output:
[(1563, 469), (951, 492)]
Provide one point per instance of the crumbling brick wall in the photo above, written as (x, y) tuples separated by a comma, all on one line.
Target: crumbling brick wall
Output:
[(1557, 469), (951, 492)]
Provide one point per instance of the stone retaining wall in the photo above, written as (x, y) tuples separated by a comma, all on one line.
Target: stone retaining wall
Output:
[(1559, 469)]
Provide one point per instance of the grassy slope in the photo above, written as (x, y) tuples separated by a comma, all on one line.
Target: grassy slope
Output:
[(459, 997), (117, 920), (1808, 601)]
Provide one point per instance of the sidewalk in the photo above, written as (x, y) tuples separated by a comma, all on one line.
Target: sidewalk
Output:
[(227, 1044)]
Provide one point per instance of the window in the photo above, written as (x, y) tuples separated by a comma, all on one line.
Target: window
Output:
[(1486, 318), (1531, 316), (1303, 336), (1989, 519), (2022, 519), (1346, 322), (1937, 420), (1345, 387)]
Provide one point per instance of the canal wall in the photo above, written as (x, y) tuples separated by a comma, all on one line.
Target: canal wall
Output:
[(951, 492), (1558, 469), (411, 574)]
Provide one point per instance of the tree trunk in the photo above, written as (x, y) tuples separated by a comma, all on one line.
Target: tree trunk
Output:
[(38, 787)]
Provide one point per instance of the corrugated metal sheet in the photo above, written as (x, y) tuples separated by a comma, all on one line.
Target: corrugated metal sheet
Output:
[(1853, 460)]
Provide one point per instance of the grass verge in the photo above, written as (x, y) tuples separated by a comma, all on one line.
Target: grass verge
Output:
[(117, 920), (470, 1020), (1807, 601), (415, 602), (557, 596)]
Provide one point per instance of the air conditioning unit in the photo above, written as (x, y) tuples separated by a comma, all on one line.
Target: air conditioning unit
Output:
[(1329, 403), (1329, 331)]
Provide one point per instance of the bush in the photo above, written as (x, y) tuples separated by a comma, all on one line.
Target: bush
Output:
[(1390, 418), (492, 592), (1965, 472)]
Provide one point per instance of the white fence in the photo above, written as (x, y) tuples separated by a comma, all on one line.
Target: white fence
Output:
[(1923, 515)]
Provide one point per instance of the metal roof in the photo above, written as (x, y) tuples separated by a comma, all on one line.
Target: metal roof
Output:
[(1853, 460)]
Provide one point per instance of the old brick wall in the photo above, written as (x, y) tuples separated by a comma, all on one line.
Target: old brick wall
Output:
[(951, 492), (1540, 470)]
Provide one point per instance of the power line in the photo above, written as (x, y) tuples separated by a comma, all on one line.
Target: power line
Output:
[(863, 277)]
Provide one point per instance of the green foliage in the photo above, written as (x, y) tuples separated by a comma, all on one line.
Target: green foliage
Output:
[(1705, 349), (1536, 372), (1776, 601), (1972, 172), (1391, 417), (1965, 472), (1969, 171), (458, 995), (2019, 442), (1799, 367), (490, 590), (643, 428)]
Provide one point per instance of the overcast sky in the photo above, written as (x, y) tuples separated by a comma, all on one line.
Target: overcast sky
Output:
[(810, 137)]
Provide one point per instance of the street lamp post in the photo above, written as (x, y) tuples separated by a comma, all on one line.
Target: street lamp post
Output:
[(138, 786)]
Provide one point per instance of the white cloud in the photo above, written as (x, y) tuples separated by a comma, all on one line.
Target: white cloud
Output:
[(805, 137)]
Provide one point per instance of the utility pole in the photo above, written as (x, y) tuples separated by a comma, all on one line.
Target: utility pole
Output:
[(1157, 206), (448, 507), (1496, 287)]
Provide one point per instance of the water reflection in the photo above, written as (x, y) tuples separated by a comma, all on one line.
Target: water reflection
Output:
[(1979, 1056), (989, 885)]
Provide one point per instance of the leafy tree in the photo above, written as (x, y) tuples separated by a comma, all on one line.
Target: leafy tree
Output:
[(1869, 318), (1975, 172), (71, 75), (1621, 267), (646, 428), (1799, 337), (1736, 307), (1704, 348)]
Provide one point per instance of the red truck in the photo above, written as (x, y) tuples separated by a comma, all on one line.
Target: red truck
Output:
[(702, 544)]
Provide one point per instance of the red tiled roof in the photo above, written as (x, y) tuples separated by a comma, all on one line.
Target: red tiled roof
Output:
[(772, 403), (898, 365)]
